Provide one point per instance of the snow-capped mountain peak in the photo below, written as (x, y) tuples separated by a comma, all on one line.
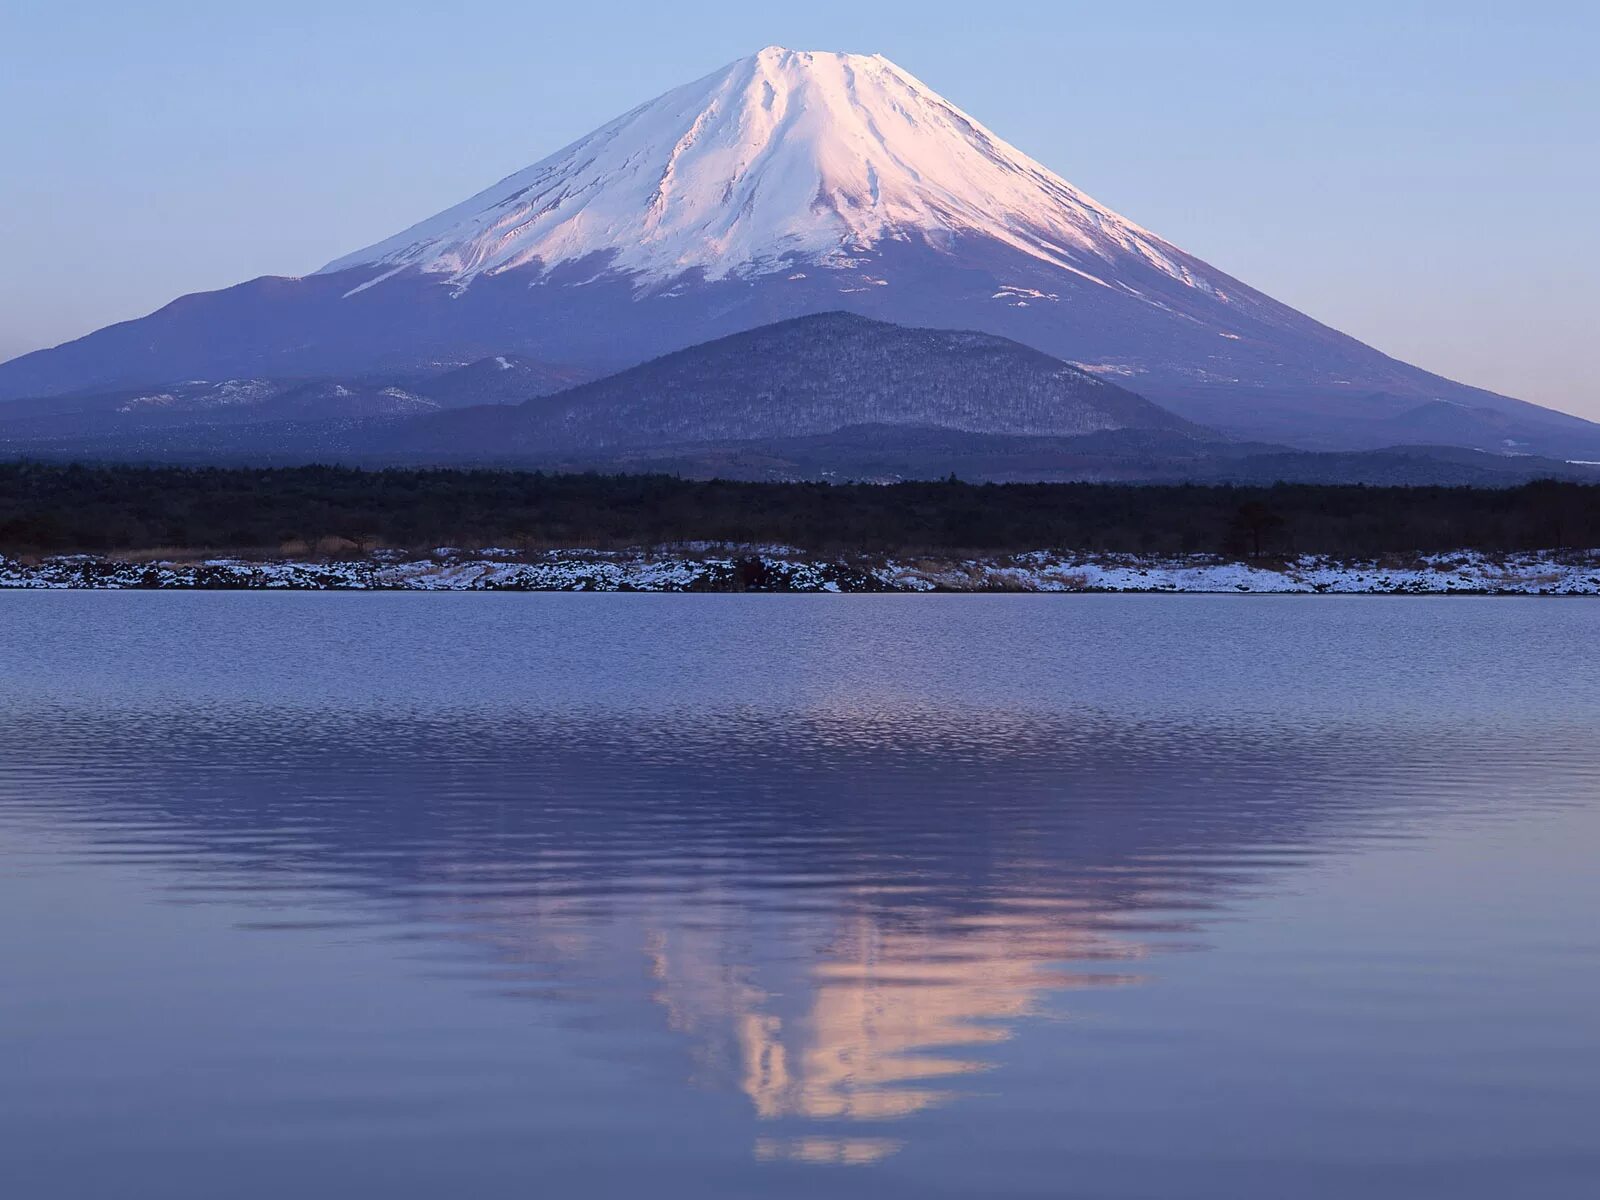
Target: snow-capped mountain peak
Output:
[(783, 156), (787, 185)]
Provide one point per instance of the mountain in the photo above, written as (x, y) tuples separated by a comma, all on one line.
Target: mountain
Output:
[(799, 378), (785, 184), (832, 396)]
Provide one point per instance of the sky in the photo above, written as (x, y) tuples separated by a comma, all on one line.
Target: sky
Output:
[(1424, 176)]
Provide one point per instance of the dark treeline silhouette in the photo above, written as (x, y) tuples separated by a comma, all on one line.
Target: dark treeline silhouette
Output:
[(54, 508)]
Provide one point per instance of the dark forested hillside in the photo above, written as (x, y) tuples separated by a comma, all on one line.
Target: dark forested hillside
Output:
[(808, 376), (53, 508)]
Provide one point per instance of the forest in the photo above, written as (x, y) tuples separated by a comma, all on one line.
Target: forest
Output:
[(48, 508)]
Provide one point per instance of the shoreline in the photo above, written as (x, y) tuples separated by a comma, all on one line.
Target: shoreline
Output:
[(776, 569)]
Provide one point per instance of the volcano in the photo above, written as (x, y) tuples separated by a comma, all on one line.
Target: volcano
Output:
[(787, 184)]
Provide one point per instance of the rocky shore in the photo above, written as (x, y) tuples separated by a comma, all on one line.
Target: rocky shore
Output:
[(767, 569)]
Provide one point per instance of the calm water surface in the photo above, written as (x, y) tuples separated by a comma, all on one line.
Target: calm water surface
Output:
[(514, 896)]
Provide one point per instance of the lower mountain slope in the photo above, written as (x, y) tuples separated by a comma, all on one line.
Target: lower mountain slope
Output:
[(132, 413), (1263, 373), (804, 377), (832, 397), (500, 379)]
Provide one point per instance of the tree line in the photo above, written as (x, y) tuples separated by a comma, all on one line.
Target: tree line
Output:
[(53, 508)]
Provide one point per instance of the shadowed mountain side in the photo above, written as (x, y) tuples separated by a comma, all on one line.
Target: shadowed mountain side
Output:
[(1343, 418), (497, 379), (828, 397), (812, 375), (1251, 387), (501, 379)]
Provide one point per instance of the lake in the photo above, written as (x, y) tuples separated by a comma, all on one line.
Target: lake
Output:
[(325, 895)]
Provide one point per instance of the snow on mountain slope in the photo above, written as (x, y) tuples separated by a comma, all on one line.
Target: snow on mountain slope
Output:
[(783, 155)]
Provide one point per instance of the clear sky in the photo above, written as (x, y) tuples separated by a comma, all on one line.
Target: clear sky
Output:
[(1425, 176)]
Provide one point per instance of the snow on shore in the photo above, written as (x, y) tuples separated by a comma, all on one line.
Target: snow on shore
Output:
[(702, 569)]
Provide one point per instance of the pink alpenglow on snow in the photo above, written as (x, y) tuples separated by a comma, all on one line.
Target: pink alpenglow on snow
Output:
[(785, 153)]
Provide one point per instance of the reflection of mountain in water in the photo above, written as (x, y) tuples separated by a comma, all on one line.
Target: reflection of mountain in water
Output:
[(887, 1016), (837, 911)]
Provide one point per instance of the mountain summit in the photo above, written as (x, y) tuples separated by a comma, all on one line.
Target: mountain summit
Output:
[(786, 155), (786, 184)]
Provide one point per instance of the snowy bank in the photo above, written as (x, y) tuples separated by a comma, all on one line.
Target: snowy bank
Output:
[(1567, 573)]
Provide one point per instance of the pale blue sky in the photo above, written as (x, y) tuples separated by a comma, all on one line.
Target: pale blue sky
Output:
[(1422, 175)]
